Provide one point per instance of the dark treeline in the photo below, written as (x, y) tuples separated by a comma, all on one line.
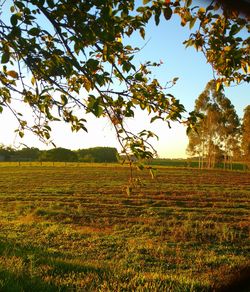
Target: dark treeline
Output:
[(96, 154)]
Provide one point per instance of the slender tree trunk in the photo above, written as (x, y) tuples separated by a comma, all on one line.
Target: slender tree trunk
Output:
[(202, 157), (231, 161), (213, 162), (210, 154)]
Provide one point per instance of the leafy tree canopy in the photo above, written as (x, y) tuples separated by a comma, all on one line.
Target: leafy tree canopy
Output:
[(96, 154), (218, 128), (58, 154), (66, 59)]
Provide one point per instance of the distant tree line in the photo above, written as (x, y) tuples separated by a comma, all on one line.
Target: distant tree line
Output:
[(219, 136), (96, 154)]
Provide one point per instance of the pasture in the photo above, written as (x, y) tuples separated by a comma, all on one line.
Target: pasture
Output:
[(76, 229)]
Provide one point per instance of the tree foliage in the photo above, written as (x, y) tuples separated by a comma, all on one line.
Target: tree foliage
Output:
[(67, 59), (218, 130), (96, 154), (58, 154)]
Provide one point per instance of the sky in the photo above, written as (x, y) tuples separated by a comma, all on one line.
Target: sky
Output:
[(162, 42)]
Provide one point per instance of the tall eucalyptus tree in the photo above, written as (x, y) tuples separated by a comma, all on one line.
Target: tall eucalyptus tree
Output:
[(218, 128)]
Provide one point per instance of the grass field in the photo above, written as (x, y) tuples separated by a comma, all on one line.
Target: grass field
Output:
[(76, 229)]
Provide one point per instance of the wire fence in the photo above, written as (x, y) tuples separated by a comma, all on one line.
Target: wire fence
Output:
[(53, 164), (240, 166)]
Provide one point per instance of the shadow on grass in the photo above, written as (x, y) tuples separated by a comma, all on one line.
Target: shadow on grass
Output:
[(29, 277), (22, 269), (10, 282), (238, 281)]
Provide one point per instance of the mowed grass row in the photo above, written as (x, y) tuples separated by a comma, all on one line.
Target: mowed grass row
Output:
[(76, 229)]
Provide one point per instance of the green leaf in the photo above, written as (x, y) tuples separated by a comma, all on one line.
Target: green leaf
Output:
[(5, 57), (146, 2), (87, 84), (157, 18), (47, 127), (235, 29), (192, 22), (20, 4), (105, 52), (64, 99), (97, 110), (126, 67), (93, 64), (167, 13), (142, 32), (188, 3), (94, 106), (21, 134), (51, 3), (33, 80), (46, 135), (13, 19), (34, 31), (175, 80), (16, 32), (155, 118)]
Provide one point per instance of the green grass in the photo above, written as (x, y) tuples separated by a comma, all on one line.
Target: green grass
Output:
[(76, 229)]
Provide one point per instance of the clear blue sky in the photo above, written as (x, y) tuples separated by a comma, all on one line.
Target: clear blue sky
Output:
[(164, 42)]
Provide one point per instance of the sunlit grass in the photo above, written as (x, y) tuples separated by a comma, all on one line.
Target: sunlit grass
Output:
[(75, 228)]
